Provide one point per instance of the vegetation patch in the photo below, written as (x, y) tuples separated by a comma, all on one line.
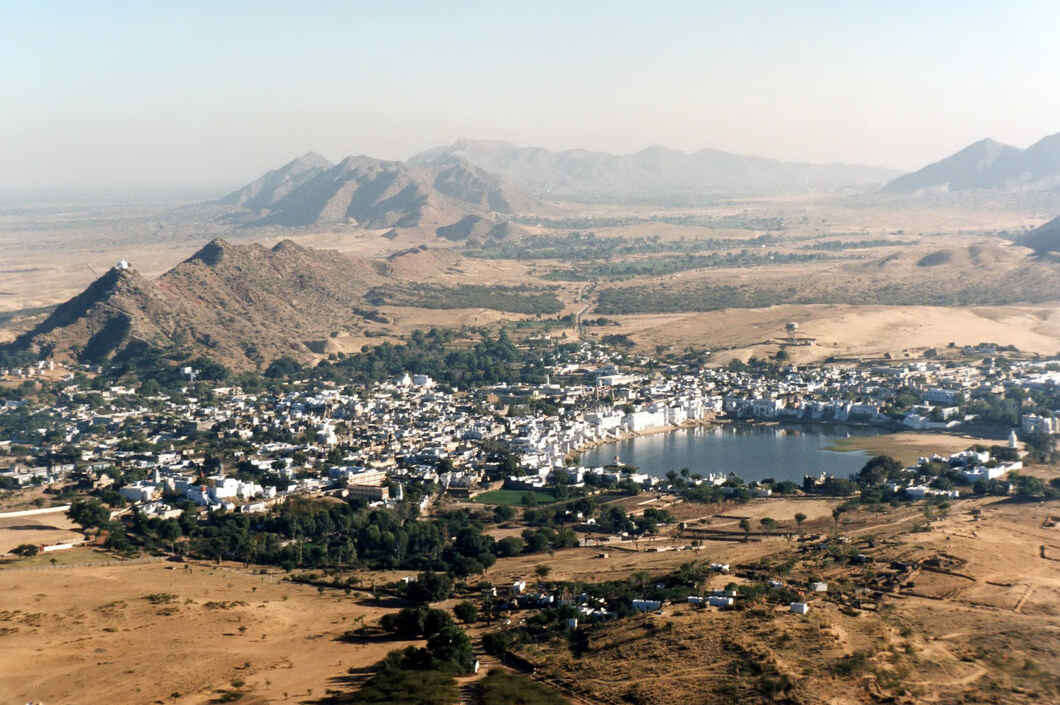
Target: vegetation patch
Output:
[(503, 688), (661, 266), (511, 299), (587, 246), (525, 498)]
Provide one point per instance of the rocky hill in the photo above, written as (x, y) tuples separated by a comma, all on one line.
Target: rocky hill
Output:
[(372, 193), (263, 193), (989, 165), (238, 304), (653, 174), (1045, 238)]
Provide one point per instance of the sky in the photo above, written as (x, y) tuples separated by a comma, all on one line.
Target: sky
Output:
[(212, 94)]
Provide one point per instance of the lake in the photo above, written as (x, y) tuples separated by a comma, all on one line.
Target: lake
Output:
[(753, 452)]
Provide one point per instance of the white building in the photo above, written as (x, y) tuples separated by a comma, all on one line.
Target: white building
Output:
[(647, 605)]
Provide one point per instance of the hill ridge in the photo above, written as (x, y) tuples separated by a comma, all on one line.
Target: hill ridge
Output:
[(988, 165), (240, 304), (371, 193), (654, 172)]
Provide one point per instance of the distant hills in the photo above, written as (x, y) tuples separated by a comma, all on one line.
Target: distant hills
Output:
[(653, 174), (442, 187), (989, 165), (371, 193)]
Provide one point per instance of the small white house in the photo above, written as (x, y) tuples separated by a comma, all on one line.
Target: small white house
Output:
[(647, 605), (718, 601), (800, 607), (819, 587)]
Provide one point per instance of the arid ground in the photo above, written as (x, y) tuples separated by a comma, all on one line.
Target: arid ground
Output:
[(973, 611)]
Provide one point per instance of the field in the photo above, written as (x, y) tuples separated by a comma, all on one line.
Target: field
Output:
[(909, 446), (175, 633), (978, 622), (515, 497), (976, 613), (43, 529)]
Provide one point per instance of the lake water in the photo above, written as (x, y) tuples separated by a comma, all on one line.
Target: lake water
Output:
[(753, 452)]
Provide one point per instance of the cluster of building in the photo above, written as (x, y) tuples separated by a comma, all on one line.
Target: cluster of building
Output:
[(371, 442), (973, 466)]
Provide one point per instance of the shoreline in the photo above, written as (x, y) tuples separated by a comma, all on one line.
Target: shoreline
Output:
[(629, 435), (904, 444)]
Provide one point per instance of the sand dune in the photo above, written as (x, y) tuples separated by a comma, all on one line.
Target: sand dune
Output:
[(853, 330)]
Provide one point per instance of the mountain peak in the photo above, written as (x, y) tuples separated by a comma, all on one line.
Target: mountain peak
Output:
[(287, 245), (212, 252), (311, 159), (990, 165)]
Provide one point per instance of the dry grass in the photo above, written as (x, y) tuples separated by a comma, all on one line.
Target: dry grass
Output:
[(985, 627), (88, 635)]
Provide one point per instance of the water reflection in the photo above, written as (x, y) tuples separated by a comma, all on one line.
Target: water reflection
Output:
[(753, 452)]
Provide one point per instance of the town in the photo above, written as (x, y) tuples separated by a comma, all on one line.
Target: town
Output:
[(222, 447)]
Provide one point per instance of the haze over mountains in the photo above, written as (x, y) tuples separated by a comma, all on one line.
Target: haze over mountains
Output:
[(371, 193), (989, 165), (489, 180), (484, 182), (652, 174)]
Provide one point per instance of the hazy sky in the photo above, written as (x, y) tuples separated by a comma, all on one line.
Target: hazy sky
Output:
[(215, 93)]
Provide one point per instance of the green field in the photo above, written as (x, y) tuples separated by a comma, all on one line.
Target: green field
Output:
[(514, 498)]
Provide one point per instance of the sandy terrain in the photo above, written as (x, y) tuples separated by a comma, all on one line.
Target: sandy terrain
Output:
[(908, 446), (90, 635), (43, 529), (982, 627), (850, 330)]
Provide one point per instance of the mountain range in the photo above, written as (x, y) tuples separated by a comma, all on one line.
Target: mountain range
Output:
[(471, 187), (489, 181), (654, 174), (989, 165), (371, 193)]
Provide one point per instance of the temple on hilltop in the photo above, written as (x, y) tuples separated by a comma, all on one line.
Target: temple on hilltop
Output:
[(122, 264)]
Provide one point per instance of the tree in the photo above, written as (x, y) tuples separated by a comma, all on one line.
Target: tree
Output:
[(745, 524), (26, 550), (452, 647), (509, 546), (429, 587), (283, 367), (466, 611), (89, 513), (836, 513), (768, 523), (407, 624), (542, 571), (435, 621), (878, 469), (503, 513), (799, 518)]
